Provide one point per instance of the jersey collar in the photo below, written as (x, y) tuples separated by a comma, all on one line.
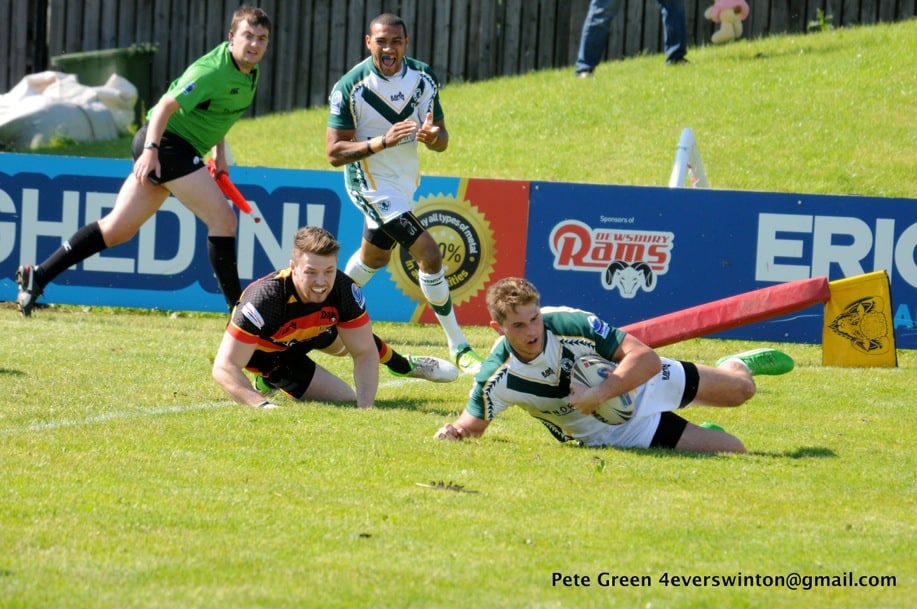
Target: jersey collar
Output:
[(377, 72)]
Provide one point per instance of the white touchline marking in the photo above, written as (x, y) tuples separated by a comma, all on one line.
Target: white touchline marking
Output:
[(111, 416), (142, 412)]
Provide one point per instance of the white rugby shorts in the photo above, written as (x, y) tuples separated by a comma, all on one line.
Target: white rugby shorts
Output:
[(662, 393)]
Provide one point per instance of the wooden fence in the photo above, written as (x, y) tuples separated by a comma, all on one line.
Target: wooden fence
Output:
[(315, 41)]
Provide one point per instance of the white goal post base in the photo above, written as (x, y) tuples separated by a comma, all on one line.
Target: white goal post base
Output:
[(688, 171)]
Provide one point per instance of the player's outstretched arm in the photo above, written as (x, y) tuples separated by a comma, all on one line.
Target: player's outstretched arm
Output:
[(466, 426)]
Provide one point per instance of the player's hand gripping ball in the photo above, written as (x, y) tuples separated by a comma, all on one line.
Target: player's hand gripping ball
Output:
[(590, 370)]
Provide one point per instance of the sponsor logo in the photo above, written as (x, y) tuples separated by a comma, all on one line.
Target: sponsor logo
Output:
[(234, 91), (598, 326), (791, 246), (864, 324), (329, 315), (358, 295), (191, 86), (407, 226), (398, 97), (335, 103), (465, 241), (251, 314), (564, 410), (627, 260), (167, 255)]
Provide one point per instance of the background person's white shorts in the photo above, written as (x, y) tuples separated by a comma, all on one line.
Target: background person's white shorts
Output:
[(383, 205)]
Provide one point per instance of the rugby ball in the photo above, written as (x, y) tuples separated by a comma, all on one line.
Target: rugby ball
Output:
[(590, 370)]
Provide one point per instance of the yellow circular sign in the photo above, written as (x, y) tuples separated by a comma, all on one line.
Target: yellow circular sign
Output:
[(465, 241)]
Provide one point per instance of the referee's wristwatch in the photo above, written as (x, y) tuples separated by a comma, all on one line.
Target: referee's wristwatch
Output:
[(151, 146)]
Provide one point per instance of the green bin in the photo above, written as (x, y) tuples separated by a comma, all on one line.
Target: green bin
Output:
[(134, 63)]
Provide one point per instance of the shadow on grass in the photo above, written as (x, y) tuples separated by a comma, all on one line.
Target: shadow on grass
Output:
[(803, 452), (413, 405), (667, 453), (9, 372)]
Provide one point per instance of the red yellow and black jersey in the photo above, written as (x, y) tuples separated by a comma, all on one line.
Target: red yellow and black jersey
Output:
[(271, 316)]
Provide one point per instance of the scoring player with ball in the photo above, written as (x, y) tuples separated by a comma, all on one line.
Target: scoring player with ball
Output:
[(590, 382), (591, 370)]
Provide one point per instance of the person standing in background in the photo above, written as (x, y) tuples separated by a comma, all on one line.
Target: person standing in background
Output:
[(597, 25)]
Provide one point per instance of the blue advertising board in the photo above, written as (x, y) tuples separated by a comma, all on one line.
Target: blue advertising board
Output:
[(634, 253), (45, 199), (627, 253)]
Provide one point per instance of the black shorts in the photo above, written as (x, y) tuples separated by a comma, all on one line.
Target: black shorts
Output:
[(667, 435), (671, 426), (177, 157), (403, 230), (292, 370)]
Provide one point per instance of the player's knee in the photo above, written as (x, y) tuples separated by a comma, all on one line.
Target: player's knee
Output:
[(731, 444), (744, 391), (223, 225), (736, 391), (430, 266), (426, 251), (114, 235), (375, 258)]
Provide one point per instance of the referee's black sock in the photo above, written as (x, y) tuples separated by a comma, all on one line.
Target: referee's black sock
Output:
[(222, 254), (85, 242)]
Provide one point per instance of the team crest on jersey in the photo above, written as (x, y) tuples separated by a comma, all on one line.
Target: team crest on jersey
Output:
[(191, 86), (335, 102), (599, 326), (358, 295), (251, 314)]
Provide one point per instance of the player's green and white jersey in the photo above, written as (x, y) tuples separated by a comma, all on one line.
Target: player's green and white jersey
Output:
[(213, 94), (541, 386), (369, 103)]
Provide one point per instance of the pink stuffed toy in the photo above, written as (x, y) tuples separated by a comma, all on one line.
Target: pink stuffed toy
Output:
[(729, 14)]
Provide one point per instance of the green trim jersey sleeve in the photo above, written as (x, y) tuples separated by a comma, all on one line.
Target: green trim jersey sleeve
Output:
[(541, 386), (369, 103), (213, 94)]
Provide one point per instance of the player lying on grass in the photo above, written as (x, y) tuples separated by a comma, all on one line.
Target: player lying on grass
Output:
[(530, 367), (311, 305)]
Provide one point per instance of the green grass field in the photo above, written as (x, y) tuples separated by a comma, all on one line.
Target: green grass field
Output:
[(128, 479), (830, 113)]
